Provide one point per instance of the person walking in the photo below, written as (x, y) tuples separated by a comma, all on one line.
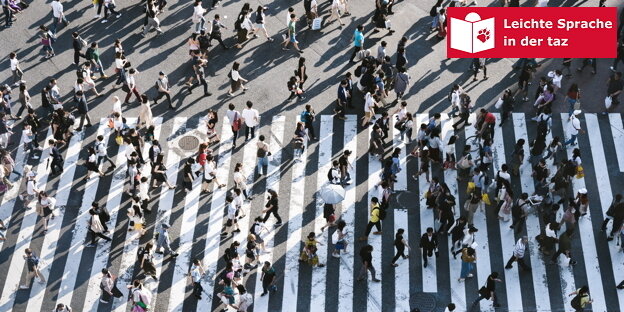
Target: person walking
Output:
[(573, 128), (235, 120), (468, 258), (83, 110), (93, 53), (145, 113), (400, 244), (615, 85), (102, 153), (140, 297), (251, 118), (164, 89), (163, 244), (245, 299), (109, 287), (564, 247), (343, 100), (489, 290), (429, 245), (262, 155), (292, 34), (374, 220), (358, 41), (581, 299), (271, 207), (45, 209), (58, 16), (131, 85), (196, 275), (15, 69), (367, 264), (200, 76), (518, 254), (267, 277), (260, 20), (61, 307), (236, 81), (32, 262), (91, 163), (341, 238), (96, 229), (215, 33), (152, 21)]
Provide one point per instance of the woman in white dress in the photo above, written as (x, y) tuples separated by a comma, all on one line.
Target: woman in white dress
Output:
[(145, 113), (336, 8)]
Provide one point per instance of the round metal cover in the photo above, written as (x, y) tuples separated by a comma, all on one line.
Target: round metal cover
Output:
[(188, 143), (423, 301)]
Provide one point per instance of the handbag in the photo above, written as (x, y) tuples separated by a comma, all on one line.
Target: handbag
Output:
[(471, 187), (486, 198), (499, 103), (316, 23), (236, 125), (484, 292), (580, 173), (608, 102), (119, 140)]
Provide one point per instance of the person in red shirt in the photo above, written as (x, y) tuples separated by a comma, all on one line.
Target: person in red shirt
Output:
[(486, 126)]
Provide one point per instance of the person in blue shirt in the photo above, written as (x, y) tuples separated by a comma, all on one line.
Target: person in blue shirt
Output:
[(358, 41)]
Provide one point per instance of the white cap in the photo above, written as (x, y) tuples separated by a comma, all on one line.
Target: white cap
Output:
[(583, 191)]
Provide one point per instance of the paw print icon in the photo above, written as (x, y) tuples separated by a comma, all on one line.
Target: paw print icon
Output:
[(472, 34)]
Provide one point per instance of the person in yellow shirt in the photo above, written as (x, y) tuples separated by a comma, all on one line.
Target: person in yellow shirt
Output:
[(375, 219)]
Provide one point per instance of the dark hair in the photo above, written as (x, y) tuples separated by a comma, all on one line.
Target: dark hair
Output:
[(235, 66)]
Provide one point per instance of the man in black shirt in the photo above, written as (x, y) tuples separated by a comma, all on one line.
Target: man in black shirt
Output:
[(367, 263), (614, 88), (489, 290), (216, 31)]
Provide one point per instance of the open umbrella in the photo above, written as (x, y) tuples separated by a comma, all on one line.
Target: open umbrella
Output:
[(332, 194)]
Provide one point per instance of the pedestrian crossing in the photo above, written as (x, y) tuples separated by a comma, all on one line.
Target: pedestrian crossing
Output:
[(72, 271)]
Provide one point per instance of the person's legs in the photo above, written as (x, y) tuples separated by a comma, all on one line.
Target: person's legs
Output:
[(572, 140), (277, 216), (371, 268), (510, 262), (369, 227), (354, 53)]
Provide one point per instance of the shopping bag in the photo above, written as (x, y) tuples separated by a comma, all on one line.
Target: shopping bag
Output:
[(316, 23), (119, 140), (579, 172), (486, 199), (471, 187), (499, 103), (608, 102)]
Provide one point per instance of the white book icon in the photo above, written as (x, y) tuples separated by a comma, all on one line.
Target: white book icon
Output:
[(472, 34)]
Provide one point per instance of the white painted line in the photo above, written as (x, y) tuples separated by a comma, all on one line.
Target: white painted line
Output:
[(131, 241), (165, 203), (588, 242), (617, 131), (70, 273), (508, 241), (429, 279), (8, 199), (374, 171), (458, 289), (538, 268), (401, 273), (606, 197), (484, 268), (50, 241), (345, 286), (277, 143), (326, 132), (24, 237), (215, 222), (294, 223)]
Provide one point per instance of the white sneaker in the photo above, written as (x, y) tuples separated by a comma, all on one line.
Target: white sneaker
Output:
[(470, 275), (335, 255), (23, 287), (104, 21)]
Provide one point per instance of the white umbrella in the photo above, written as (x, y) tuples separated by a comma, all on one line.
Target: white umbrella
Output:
[(332, 194)]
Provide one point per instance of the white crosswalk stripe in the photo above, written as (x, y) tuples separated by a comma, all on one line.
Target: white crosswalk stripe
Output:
[(175, 291)]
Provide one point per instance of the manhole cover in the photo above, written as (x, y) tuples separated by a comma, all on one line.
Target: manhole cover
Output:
[(423, 301), (188, 143)]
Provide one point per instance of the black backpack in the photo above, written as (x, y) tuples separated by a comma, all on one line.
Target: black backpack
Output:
[(382, 213), (576, 302), (542, 126), (570, 168), (329, 175), (434, 11)]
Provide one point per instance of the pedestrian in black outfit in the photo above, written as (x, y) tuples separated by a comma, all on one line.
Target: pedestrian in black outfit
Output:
[(56, 165), (429, 245), (519, 212), (163, 87), (343, 99), (216, 31), (103, 213), (507, 106), (489, 290), (96, 228), (616, 211), (400, 244), (267, 277), (464, 112), (271, 208), (610, 212), (564, 247), (199, 75), (367, 264), (78, 43)]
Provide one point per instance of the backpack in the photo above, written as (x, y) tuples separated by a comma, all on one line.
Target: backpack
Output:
[(542, 125), (570, 168), (330, 176), (576, 302), (486, 179), (434, 11), (34, 260), (382, 213)]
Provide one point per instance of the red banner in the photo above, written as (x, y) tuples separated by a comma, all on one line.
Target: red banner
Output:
[(491, 32)]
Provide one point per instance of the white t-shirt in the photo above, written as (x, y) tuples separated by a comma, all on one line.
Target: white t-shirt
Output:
[(117, 107), (57, 8), (27, 136), (557, 80), (574, 125), (235, 75), (119, 63), (251, 116), (14, 63), (100, 149)]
